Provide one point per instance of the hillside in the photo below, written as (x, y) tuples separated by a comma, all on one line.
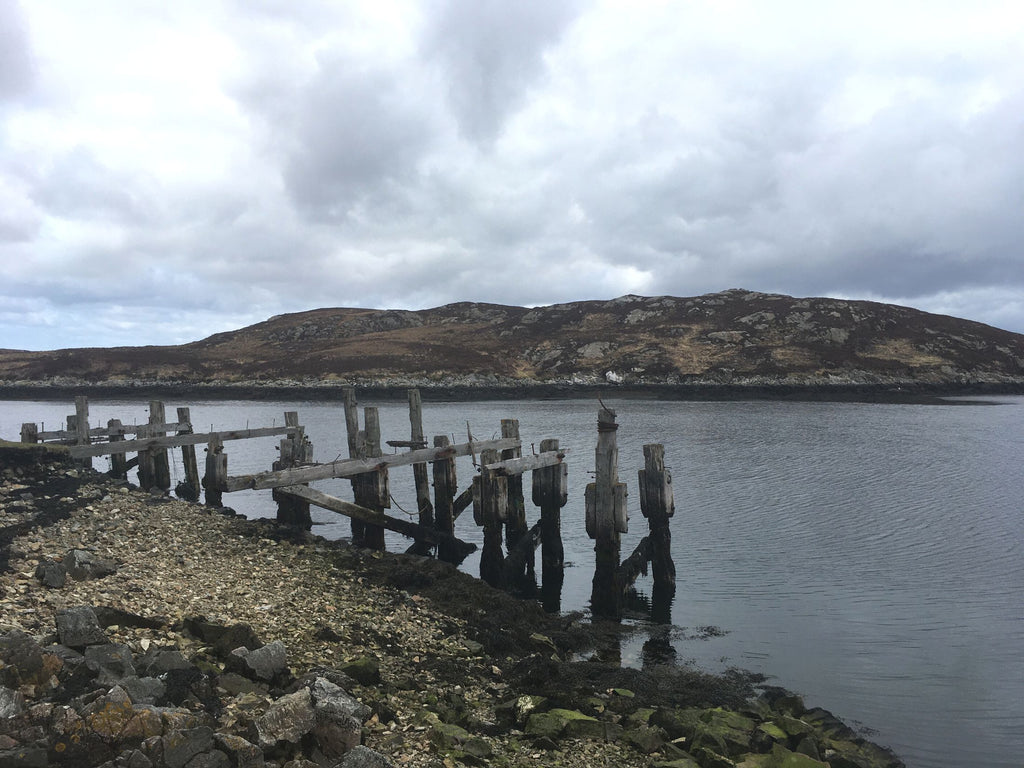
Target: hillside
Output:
[(732, 338)]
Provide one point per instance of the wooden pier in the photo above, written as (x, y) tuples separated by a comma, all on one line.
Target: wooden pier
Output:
[(495, 490)]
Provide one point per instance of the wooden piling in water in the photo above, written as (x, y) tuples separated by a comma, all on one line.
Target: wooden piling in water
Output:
[(606, 518), (82, 427), (216, 472), (161, 462), (515, 522), (119, 461), (371, 489), (293, 450), (189, 489), (29, 433), (355, 451), (444, 493), (419, 471), (658, 506), (550, 493), (490, 510)]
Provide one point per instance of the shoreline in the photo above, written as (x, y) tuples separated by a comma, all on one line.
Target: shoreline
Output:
[(909, 393), (464, 674)]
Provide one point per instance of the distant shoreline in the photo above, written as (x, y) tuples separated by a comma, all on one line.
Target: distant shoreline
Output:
[(923, 393)]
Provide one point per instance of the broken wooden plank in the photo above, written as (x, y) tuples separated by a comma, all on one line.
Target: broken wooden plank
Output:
[(352, 467), (510, 467), (174, 441), (404, 527)]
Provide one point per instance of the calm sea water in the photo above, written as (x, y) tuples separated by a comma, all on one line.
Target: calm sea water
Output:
[(867, 556)]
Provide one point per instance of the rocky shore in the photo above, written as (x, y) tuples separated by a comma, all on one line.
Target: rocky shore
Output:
[(148, 632)]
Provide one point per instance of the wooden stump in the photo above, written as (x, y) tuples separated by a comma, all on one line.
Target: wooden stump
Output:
[(216, 475), (443, 471), (658, 506), (490, 509), (189, 489), (118, 461), (606, 519)]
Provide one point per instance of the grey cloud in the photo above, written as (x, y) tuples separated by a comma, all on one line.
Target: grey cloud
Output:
[(77, 185), (17, 72), (491, 52), (356, 134)]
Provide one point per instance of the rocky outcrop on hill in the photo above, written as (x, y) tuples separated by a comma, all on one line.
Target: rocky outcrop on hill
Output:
[(732, 338)]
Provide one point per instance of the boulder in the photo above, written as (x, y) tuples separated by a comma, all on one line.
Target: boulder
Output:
[(144, 690), (82, 565), (24, 662), (241, 753), (224, 639), (288, 719), (159, 660), (180, 747), (52, 574), (267, 663), (364, 757), (12, 703), (364, 670), (78, 627), (723, 732), (783, 758), (332, 700), (111, 662)]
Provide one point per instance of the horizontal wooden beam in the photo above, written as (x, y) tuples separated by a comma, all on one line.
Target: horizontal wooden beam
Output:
[(353, 467), (128, 429), (175, 441), (511, 467), (347, 508)]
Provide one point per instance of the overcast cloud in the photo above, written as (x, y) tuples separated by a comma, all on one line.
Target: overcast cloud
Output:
[(172, 170)]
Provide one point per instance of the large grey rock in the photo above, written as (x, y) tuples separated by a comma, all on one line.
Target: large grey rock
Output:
[(332, 700), (364, 757), (52, 574), (159, 661), (78, 627), (144, 690), (111, 662), (267, 663), (288, 719), (179, 747), (242, 753), (212, 759), (25, 757), (11, 702), (22, 660), (82, 565)]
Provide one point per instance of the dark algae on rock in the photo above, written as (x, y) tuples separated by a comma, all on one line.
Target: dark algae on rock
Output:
[(192, 638)]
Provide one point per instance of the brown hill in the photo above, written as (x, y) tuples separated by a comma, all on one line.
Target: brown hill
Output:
[(734, 337)]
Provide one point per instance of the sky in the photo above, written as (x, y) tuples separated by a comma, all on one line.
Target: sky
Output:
[(173, 170)]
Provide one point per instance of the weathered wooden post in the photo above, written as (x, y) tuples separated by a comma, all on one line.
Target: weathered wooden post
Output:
[(161, 464), (147, 459), (658, 506), (216, 472), (550, 493), (29, 433), (355, 451), (371, 489), (606, 518), (419, 471), (443, 471), (294, 450), (490, 509), (119, 461), (82, 427), (189, 489), (515, 523)]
